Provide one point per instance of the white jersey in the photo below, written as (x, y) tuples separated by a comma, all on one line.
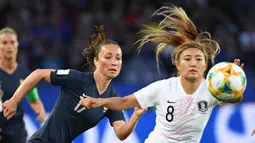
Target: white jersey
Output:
[(181, 118)]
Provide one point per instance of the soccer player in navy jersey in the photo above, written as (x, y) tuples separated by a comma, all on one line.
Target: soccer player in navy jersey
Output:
[(11, 75), (68, 118)]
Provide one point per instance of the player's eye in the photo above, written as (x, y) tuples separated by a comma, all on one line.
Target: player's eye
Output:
[(108, 57), (187, 59), (118, 58)]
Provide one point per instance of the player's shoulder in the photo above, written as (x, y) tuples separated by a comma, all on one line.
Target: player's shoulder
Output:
[(161, 84), (71, 72), (76, 74), (87, 75), (173, 80), (162, 81), (167, 82)]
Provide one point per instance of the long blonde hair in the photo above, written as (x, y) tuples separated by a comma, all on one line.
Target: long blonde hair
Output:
[(183, 34)]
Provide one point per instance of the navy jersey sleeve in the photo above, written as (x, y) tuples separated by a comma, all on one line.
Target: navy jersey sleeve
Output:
[(68, 77), (114, 115)]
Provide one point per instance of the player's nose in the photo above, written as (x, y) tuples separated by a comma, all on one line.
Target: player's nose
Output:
[(193, 63)]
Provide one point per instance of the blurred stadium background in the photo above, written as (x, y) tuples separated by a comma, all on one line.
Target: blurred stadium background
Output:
[(52, 34)]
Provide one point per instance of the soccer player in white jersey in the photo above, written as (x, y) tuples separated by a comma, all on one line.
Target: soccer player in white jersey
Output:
[(183, 103)]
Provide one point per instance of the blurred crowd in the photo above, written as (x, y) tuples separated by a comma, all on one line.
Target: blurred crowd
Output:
[(53, 33)]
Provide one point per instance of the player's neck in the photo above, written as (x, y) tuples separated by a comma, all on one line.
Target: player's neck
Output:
[(101, 82), (8, 65), (190, 86)]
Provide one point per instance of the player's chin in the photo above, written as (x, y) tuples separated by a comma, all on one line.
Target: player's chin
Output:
[(193, 77), (113, 74)]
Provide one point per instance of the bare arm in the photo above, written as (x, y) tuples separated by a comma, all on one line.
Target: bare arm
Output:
[(10, 106), (122, 129), (114, 103), (38, 107), (34, 78)]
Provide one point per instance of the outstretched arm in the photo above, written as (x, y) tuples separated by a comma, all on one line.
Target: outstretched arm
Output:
[(143, 98), (30, 82), (122, 129), (114, 103), (10, 106)]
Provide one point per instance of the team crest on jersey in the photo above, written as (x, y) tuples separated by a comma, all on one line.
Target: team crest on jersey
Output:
[(202, 106)]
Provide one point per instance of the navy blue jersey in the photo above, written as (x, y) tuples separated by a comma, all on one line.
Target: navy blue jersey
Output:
[(8, 85), (68, 118)]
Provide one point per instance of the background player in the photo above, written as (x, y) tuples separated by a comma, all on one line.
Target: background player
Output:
[(183, 103), (68, 119), (11, 75)]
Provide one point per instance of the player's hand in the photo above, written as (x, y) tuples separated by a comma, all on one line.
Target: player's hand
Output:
[(253, 132), (91, 102), (41, 116), (9, 108), (238, 62), (139, 111)]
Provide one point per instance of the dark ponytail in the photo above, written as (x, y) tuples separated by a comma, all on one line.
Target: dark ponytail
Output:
[(96, 41)]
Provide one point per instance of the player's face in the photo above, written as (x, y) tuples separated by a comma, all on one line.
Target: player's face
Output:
[(191, 64), (8, 45), (109, 60)]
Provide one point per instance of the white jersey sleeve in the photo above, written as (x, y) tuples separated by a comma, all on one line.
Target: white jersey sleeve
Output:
[(148, 96)]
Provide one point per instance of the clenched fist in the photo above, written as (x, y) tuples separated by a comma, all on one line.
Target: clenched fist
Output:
[(9, 108)]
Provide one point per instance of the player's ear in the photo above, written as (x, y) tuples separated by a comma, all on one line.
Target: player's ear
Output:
[(177, 65), (95, 60), (17, 41)]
